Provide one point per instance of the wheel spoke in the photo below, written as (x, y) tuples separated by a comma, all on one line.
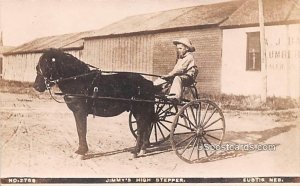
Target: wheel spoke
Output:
[(161, 132), (198, 149), (209, 143), (196, 139), (192, 110), (212, 123), (155, 132), (187, 146), (213, 137), (213, 130), (164, 126), (168, 121), (184, 133), (170, 114), (202, 143), (189, 121), (156, 108), (169, 108), (186, 117), (210, 116), (159, 108), (185, 126), (184, 140), (199, 115), (204, 114)]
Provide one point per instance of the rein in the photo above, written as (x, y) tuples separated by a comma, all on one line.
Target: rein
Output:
[(49, 82), (89, 73)]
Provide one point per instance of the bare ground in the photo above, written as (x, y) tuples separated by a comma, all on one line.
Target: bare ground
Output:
[(38, 139)]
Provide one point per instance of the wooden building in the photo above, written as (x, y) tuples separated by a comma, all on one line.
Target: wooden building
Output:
[(241, 50), (19, 63), (143, 43)]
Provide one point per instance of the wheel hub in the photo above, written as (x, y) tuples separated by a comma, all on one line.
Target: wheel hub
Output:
[(200, 132), (155, 118)]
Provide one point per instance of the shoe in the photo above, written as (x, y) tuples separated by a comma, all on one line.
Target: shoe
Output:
[(173, 98)]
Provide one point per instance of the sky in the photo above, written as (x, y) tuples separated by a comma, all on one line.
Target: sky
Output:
[(24, 20)]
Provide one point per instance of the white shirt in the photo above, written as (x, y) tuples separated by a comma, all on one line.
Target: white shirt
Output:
[(184, 65)]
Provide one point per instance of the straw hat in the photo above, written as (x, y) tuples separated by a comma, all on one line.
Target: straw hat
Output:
[(186, 42)]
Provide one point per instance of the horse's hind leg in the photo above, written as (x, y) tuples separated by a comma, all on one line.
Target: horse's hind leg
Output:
[(145, 134), (81, 124), (139, 137), (142, 140)]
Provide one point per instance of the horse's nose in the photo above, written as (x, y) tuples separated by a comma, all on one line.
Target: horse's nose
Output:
[(38, 87)]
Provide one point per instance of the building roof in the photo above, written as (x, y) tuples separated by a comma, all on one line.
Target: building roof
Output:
[(275, 12), (71, 41), (203, 15), (227, 14), (4, 49)]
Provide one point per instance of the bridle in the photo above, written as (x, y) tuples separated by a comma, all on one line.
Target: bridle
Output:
[(49, 82)]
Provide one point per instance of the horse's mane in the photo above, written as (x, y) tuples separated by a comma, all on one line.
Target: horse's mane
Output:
[(66, 60)]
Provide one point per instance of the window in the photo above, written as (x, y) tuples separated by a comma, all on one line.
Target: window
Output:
[(253, 52)]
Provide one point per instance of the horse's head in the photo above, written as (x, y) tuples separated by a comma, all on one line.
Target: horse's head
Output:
[(46, 70), (54, 64)]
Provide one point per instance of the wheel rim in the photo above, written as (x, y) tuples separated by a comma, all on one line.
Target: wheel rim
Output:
[(160, 127), (197, 131)]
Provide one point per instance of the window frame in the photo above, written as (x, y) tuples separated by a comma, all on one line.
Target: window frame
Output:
[(256, 55)]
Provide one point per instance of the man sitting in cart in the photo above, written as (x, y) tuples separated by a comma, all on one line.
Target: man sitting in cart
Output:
[(184, 71)]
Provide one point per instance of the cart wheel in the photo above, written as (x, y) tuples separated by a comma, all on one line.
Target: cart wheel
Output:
[(161, 126), (197, 130)]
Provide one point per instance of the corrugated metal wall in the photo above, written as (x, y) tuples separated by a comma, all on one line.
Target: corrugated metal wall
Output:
[(156, 54), (21, 67), (148, 53), (130, 53)]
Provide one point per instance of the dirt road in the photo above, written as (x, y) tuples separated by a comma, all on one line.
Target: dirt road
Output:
[(38, 139)]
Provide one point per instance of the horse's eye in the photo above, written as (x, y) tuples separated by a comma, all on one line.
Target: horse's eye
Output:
[(53, 59)]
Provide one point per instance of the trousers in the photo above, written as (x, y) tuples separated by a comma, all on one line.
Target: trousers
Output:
[(177, 85)]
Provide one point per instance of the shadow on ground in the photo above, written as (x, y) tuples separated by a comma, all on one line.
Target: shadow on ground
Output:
[(231, 137)]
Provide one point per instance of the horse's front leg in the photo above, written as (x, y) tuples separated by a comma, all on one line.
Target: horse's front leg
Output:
[(81, 125), (138, 140)]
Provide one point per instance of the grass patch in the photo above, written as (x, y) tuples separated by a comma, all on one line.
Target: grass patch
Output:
[(229, 102), (17, 87), (239, 102)]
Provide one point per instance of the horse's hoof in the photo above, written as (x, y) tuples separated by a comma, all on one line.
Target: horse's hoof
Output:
[(81, 151), (135, 155), (77, 156), (142, 152)]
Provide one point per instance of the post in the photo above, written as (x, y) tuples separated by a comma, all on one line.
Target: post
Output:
[(1, 26), (263, 51)]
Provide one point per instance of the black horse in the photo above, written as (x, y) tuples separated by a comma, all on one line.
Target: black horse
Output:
[(75, 77)]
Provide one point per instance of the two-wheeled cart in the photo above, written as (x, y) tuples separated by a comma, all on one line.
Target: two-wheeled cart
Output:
[(195, 127)]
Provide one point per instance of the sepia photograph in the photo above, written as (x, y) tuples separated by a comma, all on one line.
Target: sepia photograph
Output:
[(147, 92)]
